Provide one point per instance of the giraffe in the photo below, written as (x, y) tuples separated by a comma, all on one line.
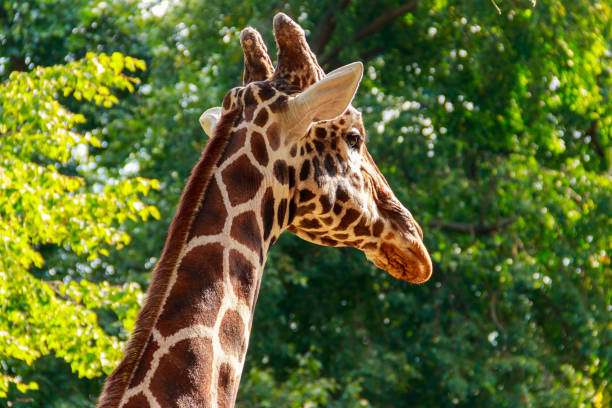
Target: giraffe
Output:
[(287, 152)]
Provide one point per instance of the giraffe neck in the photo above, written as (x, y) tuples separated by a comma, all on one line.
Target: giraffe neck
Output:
[(197, 348), (191, 337)]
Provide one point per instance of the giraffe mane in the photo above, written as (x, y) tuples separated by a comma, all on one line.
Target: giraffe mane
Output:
[(118, 381)]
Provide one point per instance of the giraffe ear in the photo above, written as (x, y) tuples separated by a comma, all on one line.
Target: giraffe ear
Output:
[(325, 99), (209, 120)]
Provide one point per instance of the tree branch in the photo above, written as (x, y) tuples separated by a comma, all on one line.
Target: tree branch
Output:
[(327, 25), (474, 229), (372, 52), (379, 22), (384, 19), (496, 6), (493, 310), (592, 133)]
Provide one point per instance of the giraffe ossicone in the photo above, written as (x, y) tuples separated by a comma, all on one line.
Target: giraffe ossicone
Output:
[(287, 152)]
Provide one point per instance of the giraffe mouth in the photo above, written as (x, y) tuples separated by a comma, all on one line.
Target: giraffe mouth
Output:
[(411, 264)]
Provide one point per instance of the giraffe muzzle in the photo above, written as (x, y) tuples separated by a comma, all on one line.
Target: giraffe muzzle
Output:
[(409, 262)]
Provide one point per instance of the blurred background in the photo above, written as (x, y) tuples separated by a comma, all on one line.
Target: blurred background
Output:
[(494, 127)]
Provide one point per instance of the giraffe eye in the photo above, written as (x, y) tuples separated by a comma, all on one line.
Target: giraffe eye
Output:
[(354, 139)]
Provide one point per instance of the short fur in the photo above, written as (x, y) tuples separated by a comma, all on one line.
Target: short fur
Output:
[(117, 382)]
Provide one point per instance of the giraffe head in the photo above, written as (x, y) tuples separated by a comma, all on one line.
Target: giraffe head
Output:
[(309, 143)]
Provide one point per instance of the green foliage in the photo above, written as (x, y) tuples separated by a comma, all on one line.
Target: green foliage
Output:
[(494, 129), (303, 387), (40, 205)]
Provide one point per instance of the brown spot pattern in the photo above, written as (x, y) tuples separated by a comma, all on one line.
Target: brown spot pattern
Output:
[(183, 376), (361, 229), (236, 142), (292, 210), (341, 193), (328, 241), (227, 100), (225, 386), (282, 209), (330, 165), (306, 209), (249, 98), (245, 230), (242, 276), (370, 246), (326, 203), (305, 170), (317, 168), (306, 195), (250, 104), (273, 133), (348, 218), (261, 118), (279, 104), (378, 228), (266, 91), (259, 149), (337, 209), (137, 401), (280, 171), (145, 362), (267, 212), (212, 214), (328, 220), (196, 295), (231, 334), (310, 223), (242, 180), (291, 176), (319, 147)]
